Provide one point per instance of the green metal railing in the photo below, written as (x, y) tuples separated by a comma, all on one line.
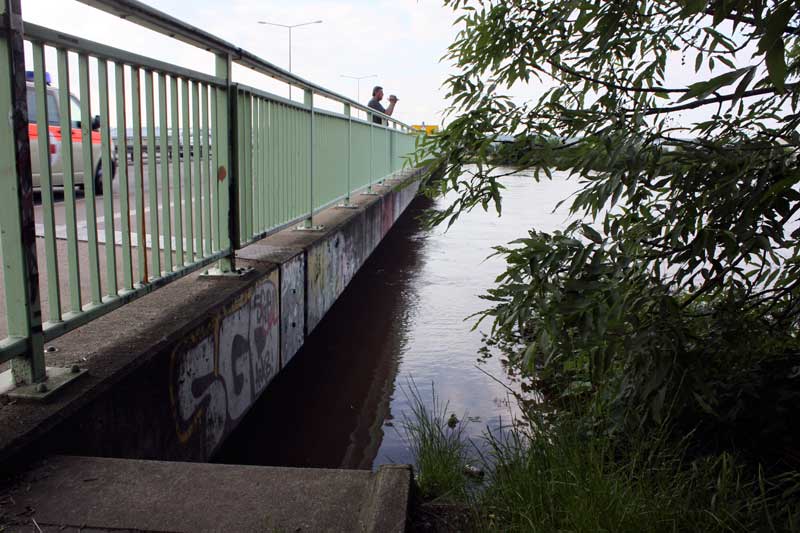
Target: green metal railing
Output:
[(214, 165)]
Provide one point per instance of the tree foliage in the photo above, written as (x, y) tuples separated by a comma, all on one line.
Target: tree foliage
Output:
[(675, 290)]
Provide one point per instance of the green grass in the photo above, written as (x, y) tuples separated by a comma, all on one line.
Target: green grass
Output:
[(559, 478), (562, 480), (439, 451)]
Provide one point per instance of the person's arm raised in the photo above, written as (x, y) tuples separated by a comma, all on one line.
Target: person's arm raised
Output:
[(392, 102)]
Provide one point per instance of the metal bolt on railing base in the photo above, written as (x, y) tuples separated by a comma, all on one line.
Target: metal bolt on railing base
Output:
[(57, 379)]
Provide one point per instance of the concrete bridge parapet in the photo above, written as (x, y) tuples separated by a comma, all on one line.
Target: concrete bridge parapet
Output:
[(171, 375)]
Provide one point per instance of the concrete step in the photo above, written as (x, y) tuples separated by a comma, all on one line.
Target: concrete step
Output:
[(98, 494)]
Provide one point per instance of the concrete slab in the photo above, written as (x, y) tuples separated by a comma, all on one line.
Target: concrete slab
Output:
[(92, 493)]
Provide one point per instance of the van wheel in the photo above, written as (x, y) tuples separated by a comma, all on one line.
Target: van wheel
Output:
[(98, 179)]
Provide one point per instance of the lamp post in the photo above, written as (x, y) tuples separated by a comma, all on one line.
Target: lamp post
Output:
[(358, 83), (290, 27)]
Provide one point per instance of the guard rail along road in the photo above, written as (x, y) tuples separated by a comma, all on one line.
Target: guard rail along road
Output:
[(215, 165)]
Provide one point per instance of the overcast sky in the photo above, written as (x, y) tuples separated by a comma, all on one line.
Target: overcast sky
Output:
[(400, 40)]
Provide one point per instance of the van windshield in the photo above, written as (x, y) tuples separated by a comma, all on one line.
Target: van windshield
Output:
[(52, 108)]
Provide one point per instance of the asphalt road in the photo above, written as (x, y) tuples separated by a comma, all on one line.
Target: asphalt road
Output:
[(81, 203), (139, 270)]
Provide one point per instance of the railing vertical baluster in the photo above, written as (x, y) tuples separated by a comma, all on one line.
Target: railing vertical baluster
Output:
[(272, 156), (257, 175), (264, 165), (258, 223), (216, 209), (46, 182), (280, 138), (69, 182), (186, 199), (152, 171), (165, 154), (290, 210), (206, 176), (293, 182), (291, 179), (272, 197), (388, 151), (246, 173), (138, 175), (87, 136), (303, 178), (302, 160), (177, 189), (296, 179), (371, 152), (197, 148), (239, 163), (266, 188), (255, 166), (287, 207), (106, 170), (124, 190)]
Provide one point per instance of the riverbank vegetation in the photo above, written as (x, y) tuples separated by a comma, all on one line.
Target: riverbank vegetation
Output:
[(670, 303)]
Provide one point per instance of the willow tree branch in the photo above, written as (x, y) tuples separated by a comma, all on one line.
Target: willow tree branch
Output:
[(717, 99), (794, 30), (611, 85)]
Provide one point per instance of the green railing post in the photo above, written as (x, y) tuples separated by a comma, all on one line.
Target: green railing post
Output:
[(369, 191), (308, 223), (237, 165), (46, 183), (308, 100), (348, 114), (18, 237), (226, 179)]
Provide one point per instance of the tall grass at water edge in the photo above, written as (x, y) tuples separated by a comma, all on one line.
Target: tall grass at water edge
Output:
[(546, 477), (439, 450)]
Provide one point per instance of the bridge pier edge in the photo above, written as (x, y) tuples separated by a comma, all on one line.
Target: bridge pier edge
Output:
[(178, 389)]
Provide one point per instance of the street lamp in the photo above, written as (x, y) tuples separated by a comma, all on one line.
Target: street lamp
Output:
[(289, 27), (358, 83)]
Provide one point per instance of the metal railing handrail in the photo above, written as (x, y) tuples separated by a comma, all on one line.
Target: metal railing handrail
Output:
[(225, 164), (36, 33), (161, 22)]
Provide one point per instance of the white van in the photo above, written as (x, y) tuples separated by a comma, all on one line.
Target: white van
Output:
[(55, 136)]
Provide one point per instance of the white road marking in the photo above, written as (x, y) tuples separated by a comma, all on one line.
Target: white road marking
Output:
[(83, 236)]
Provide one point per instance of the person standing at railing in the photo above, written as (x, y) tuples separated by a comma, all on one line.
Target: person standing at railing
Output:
[(375, 103)]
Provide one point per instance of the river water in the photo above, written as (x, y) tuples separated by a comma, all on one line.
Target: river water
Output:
[(403, 318)]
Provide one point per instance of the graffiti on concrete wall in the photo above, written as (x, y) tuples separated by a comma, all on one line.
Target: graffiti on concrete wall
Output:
[(331, 265), (221, 369), (292, 307)]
